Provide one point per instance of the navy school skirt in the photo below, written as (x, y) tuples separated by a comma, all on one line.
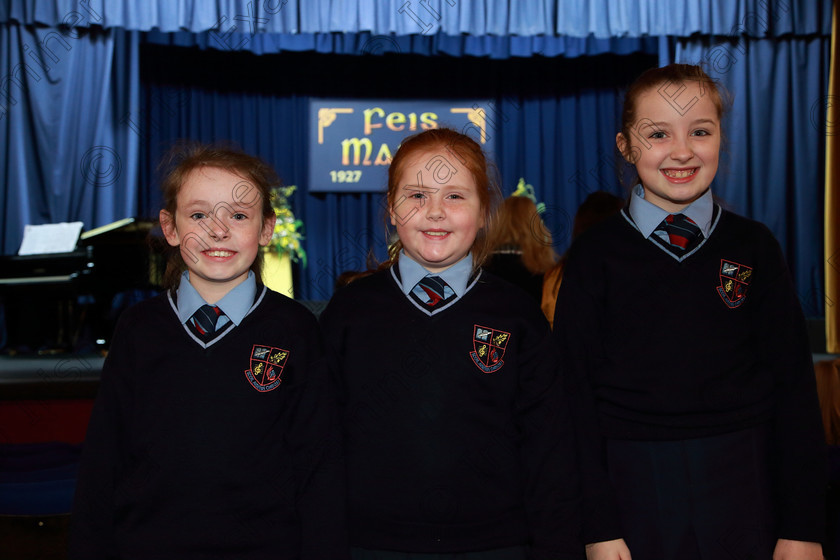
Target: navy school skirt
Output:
[(697, 499)]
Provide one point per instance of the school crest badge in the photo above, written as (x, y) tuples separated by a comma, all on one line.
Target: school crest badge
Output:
[(489, 348), (267, 365), (734, 280)]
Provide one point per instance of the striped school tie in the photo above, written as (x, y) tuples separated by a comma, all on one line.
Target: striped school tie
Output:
[(203, 322), (683, 233), (432, 292)]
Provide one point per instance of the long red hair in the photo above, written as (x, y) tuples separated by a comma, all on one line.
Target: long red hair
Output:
[(519, 225)]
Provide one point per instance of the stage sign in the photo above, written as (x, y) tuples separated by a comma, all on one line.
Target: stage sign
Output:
[(352, 141)]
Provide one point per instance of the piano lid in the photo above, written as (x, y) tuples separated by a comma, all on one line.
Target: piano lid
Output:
[(130, 231), (106, 228)]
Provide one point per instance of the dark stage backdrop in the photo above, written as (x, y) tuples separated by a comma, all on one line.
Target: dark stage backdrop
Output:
[(92, 92), (555, 126)]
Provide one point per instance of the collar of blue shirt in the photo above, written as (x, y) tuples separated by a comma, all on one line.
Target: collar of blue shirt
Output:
[(457, 275), (647, 216), (234, 305)]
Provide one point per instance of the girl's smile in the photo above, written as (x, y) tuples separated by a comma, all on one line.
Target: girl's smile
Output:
[(219, 253), (679, 175)]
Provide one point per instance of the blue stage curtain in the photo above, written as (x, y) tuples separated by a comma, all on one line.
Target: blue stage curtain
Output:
[(65, 154), (559, 138), (756, 18), (51, 121), (428, 45), (773, 169), (574, 18)]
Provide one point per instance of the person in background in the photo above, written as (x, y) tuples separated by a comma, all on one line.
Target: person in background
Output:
[(521, 245)]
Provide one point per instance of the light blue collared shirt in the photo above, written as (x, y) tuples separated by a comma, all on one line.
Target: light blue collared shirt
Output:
[(235, 305), (647, 216), (457, 275)]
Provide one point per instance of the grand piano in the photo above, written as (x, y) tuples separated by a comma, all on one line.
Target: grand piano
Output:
[(68, 302)]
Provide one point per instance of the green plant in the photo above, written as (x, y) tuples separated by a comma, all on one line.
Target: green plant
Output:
[(288, 230)]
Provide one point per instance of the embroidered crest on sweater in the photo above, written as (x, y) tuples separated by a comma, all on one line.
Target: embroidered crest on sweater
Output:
[(267, 365), (734, 280), (489, 348)]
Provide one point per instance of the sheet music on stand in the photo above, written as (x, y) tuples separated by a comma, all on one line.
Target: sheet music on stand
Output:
[(50, 238)]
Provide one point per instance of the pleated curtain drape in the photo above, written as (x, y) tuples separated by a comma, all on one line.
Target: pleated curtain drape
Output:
[(84, 113)]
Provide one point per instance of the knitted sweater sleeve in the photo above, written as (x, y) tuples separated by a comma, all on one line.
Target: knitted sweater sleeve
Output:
[(92, 526), (318, 455), (577, 331), (799, 444), (552, 491)]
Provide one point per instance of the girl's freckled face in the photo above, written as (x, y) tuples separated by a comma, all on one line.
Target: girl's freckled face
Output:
[(437, 212)]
